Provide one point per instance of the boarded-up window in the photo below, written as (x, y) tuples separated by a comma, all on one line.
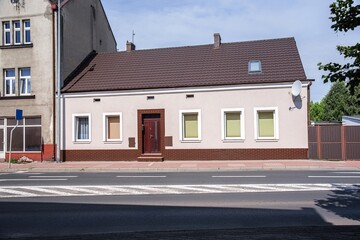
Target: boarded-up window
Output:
[(113, 127), (266, 124), (191, 125), (232, 124)]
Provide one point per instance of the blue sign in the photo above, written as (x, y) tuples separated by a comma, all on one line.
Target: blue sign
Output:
[(19, 115)]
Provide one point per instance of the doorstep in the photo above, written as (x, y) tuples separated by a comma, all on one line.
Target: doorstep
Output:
[(151, 157)]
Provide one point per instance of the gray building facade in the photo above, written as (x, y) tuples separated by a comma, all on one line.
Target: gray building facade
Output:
[(28, 66)]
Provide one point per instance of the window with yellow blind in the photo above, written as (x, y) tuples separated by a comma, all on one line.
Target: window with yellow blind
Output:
[(190, 125), (233, 124), (266, 123), (112, 127)]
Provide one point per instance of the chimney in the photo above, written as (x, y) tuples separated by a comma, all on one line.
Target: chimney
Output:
[(217, 40), (130, 46)]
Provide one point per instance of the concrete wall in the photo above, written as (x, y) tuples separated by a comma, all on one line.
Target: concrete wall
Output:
[(292, 122), (38, 58), (85, 28), (82, 33)]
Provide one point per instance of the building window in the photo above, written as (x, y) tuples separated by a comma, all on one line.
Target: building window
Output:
[(190, 125), (233, 124), (27, 32), (27, 136), (254, 66), (17, 32), (82, 128), (112, 127), (25, 81), (266, 123), (7, 33), (9, 82)]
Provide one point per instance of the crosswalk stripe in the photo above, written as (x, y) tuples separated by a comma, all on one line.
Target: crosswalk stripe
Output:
[(98, 190)]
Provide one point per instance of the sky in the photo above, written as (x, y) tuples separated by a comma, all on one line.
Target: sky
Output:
[(173, 23)]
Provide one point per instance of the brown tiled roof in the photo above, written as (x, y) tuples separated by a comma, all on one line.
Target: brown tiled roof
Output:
[(189, 67)]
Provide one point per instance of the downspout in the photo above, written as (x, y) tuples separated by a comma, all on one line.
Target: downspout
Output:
[(53, 84), (58, 157)]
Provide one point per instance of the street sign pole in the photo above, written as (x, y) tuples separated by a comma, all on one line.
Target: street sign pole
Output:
[(19, 117)]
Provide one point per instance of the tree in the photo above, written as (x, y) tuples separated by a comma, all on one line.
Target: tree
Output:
[(316, 111), (338, 102), (346, 16)]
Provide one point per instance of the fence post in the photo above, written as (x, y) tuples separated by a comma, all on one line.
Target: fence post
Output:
[(343, 143), (318, 141)]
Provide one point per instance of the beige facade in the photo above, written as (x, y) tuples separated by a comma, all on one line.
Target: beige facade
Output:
[(210, 102), (27, 42)]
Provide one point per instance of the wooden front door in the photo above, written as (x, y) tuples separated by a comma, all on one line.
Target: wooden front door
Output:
[(151, 135)]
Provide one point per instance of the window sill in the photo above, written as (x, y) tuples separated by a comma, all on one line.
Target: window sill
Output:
[(17, 97), (113, 142), (233, 140), (81, 142), (27, 45), (190, 141), (266, 140)]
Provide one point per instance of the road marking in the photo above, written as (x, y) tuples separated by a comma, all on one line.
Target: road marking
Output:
[(16, 193), (333, 176), (141, 176), (33, 173), (53, 176), (29, 179), (247, 176), (347, 172), (127, 190)]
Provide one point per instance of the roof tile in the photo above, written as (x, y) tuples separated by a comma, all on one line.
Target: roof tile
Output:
[(189, 67)]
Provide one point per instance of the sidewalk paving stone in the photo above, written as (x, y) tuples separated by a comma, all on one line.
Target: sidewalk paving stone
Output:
[(182, 166)]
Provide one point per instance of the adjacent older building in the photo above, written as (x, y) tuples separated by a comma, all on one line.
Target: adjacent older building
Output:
[(222, 101), (28, 65)]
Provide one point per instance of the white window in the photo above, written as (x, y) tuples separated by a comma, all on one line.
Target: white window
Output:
[(9, 82), (27, 32), (25, 81), (112, 127), (266, 123), (7, 33), (17, 32), (254, 66), (81, 127), (190, 125), (232, 122)]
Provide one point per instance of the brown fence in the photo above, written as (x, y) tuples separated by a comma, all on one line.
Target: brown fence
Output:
[(334, 142)]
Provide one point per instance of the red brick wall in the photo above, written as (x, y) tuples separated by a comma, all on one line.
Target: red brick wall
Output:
[(46, 154), (99, 155), (188, 154)]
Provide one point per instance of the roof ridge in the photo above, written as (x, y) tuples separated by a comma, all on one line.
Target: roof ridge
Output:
[(203, 45)]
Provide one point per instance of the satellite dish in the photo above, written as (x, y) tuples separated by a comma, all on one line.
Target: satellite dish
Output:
[(296, 88)]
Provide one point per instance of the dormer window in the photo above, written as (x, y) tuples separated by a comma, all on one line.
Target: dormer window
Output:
[(255, 66)]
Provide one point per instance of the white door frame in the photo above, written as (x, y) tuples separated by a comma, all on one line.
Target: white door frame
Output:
[(2, 153)]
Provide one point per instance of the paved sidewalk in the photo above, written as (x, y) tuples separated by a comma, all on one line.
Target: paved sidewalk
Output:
[(181, 166)]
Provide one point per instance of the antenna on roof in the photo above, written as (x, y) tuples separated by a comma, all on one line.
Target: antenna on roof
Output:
[(133, 36)]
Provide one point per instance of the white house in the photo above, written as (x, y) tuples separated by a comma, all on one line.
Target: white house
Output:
[(222, 101)]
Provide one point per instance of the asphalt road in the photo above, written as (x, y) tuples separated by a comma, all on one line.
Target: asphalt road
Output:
[(131, 204)]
